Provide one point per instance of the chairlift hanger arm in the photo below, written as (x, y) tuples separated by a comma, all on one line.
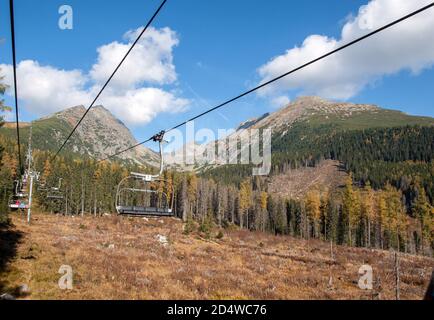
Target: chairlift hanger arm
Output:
[(59, 186), (160, 139), (160, 144)]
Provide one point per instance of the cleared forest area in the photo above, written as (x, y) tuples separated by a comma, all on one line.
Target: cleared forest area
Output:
[(128, 258)]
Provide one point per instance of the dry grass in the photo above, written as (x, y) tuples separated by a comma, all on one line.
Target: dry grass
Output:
[(121, 258)]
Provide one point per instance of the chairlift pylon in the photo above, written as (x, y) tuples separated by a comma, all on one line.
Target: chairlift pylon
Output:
[(143, 194)]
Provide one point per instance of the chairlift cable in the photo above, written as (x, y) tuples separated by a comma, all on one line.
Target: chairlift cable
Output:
[(370, 34), (14, 61), (111, 77)]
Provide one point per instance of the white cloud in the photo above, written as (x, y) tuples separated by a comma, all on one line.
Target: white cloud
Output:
[(151, 60), (280, 101), (131, 95), (140, 106), (45, 89), (407, 46)]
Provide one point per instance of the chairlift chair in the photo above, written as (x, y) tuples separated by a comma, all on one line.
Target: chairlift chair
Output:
[(19, 191), (18, 200), (17, 204), (55, 193), (143, 194), (42, 186)]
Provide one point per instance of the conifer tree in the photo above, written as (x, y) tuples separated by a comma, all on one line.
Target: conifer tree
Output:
[(192, 192), (368, 211), (245, 199), (424, 214), (313, 210), (350, 208)]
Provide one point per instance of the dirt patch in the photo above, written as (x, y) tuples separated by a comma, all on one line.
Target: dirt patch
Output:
[(294, 184)]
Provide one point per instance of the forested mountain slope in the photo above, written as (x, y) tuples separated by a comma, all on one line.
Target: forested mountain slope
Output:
[(383, 199), (377, 145)]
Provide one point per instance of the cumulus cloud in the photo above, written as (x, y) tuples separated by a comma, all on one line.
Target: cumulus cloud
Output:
[(132, 95), (141, 105), (45, 89), (150, 61), (407, 46)]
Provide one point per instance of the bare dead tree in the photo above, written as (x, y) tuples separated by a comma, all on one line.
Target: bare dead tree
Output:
[(397, 279)]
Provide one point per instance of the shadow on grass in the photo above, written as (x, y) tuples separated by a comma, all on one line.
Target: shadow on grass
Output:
[(10, 238), (429, 295)]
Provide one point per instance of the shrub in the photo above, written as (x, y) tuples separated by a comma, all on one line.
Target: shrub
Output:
[(206, 226), (189, 225), (220, 235), (4, 219)]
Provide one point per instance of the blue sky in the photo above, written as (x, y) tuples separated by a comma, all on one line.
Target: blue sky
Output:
[(221, 46)]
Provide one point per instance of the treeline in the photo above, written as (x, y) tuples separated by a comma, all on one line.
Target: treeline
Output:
[(5, 187), (380, 156), (353, 216), (397, 214), (396, 156), (392, 170), (8, 172)]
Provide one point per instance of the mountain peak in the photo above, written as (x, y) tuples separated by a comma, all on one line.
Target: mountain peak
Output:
[(76, 111), (101, 108), (99, 135), (73, 110), (310, 100), (305, 107), (318, 104)]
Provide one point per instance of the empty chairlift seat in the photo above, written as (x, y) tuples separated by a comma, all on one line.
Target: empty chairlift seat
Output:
[(55, 193), (146, 195)]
